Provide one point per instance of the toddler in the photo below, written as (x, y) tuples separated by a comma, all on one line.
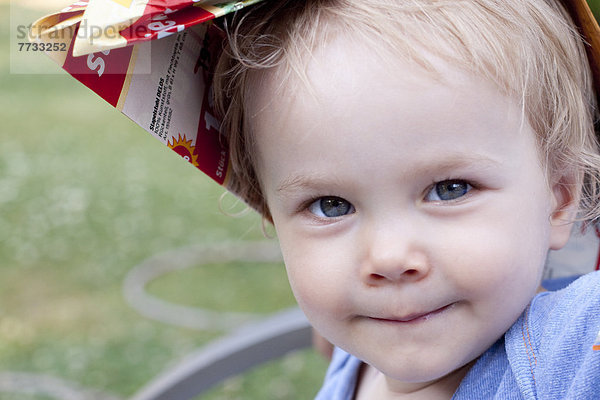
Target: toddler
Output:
[(418, 159)]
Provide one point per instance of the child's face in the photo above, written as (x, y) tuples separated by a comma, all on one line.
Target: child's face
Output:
[(413, 215)]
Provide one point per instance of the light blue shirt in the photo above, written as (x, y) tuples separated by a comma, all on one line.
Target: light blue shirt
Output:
[(548, 354)]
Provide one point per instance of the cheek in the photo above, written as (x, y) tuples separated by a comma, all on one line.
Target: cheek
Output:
[(310, 274), (318, 273), (502, 259)]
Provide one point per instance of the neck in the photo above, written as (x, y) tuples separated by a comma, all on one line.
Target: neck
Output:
[(375, 385)]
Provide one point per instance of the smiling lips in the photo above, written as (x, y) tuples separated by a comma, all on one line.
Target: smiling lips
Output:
[(415, 318)]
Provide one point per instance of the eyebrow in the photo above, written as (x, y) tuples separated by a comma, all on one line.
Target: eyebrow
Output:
[(451, 162), (456, 161), (301, 181)]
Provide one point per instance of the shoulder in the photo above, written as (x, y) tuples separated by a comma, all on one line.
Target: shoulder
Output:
[(576, 304), (551, 348), (341, 377)]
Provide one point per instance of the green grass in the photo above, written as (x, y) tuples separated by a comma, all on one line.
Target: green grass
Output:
[(239, 283), (595, 7), (85, 195)]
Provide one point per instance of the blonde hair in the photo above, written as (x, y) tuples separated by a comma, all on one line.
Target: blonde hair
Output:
[(528, 48)]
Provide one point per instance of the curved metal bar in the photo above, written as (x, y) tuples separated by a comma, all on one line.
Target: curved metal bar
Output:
[(134, 285), (249, 346)]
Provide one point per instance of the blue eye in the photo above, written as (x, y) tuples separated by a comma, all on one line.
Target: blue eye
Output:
[(331, 207), (448, 190)]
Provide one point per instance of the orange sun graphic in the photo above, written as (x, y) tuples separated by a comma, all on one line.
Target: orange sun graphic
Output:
[(184, 148)]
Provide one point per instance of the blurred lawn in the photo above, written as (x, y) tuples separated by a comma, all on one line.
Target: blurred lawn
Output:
[(85, 195)]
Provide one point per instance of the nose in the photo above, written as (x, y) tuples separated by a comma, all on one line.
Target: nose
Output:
[(394, 252)]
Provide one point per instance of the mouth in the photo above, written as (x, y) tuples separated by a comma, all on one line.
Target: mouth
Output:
[(416, 317)]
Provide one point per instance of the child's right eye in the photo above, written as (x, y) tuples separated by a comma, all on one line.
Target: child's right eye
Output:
[(330, 207)]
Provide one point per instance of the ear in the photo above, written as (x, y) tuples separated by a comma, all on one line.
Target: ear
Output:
[(566, 192)]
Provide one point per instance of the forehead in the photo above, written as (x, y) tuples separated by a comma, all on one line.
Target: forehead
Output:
[(343, 65), (339, 80), (344, 68), (364, 108)]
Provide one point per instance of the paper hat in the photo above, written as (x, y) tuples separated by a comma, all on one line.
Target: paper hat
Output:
[(164, 85), (588, 26)]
